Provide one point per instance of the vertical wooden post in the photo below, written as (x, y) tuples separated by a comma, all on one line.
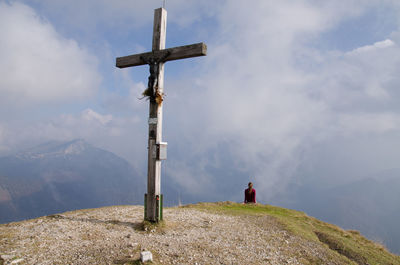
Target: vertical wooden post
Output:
[(155, 123), (156, 149)]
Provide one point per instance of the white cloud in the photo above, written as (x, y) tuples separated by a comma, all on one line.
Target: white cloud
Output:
[(38, 64), (264, 95), (353, 80), (369, 123), (252, 97), (126, 101), (91, 115), (377, 45), (257, 98)]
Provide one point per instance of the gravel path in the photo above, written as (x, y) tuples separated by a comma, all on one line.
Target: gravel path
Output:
[(114, 235)]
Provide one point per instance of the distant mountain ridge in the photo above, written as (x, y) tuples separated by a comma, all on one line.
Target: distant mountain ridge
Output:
[(54, 149), (61, 176)]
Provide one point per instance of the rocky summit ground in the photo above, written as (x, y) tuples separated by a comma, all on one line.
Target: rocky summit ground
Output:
[(202, 234)]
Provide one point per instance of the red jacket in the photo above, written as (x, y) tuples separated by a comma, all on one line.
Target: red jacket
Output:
[(250, 197)]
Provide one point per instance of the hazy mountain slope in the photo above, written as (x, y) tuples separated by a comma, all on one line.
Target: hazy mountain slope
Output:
[(60, 176), (206, 233), (371, 206)]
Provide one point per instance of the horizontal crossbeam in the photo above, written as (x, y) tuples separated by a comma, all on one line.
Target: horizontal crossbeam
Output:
[(176, 53)]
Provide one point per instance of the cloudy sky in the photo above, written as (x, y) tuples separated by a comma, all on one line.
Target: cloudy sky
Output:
[(290, 91)]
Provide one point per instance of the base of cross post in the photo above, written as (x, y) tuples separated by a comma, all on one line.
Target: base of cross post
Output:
[(158, 209)]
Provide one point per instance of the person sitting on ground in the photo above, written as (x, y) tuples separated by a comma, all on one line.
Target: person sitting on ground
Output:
[(250, 194)]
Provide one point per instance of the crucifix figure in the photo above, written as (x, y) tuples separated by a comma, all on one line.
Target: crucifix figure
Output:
[(154, 69), (155, 90)]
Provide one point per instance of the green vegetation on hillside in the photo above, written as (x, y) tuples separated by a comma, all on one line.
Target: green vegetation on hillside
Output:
[(350, 244)]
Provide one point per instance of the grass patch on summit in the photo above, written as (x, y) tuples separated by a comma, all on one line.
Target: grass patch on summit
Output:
[(350, 244)]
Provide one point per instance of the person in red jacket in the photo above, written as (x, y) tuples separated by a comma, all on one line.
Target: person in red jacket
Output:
[(250, 194)]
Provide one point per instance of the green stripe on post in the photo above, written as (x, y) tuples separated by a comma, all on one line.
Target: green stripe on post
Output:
[(161, 206), (157, 208), (145, 206)]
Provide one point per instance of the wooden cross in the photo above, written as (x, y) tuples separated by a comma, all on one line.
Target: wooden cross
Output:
[(156, 148)]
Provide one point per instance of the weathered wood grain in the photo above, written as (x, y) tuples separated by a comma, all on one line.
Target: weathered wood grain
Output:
[(159, 29), (176, 53), (155, 112)]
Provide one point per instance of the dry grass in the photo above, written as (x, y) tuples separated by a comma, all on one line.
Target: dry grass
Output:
[(350, 244)]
